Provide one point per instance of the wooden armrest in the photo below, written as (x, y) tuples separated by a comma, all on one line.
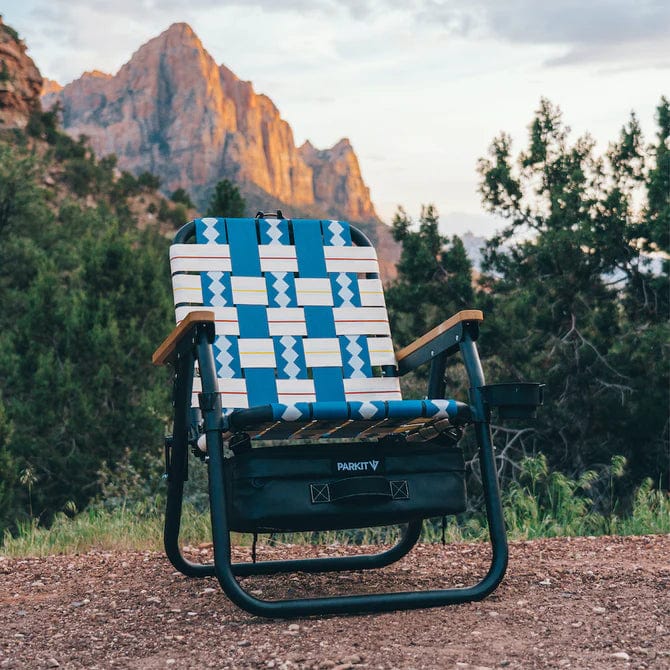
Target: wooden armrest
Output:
[(166, 349), (441, 338)]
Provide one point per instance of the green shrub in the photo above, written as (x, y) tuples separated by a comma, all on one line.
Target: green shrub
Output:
[(4, 71), (226, 200), (11, 32), (148, 181), (45, 125), (65, 147), (651, 512), (180, 195), (81, 175), (176, 216), (127, 185), (86, 299)]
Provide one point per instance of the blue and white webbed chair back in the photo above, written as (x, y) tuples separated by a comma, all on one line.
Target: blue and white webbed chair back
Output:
[(301, 327)]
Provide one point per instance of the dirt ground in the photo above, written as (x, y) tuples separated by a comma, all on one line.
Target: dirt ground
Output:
[(565, 603)]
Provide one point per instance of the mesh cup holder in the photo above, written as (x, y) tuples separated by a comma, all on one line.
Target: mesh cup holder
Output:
[(514, 400)]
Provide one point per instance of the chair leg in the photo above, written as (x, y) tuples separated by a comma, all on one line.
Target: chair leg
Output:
[(487, 465), (177, 469), (173, 509)]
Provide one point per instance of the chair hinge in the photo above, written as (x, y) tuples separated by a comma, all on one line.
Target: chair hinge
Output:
[(207, 401), (168, 456)]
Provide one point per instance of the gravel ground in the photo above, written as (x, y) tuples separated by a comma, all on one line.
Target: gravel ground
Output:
[(565, 603)]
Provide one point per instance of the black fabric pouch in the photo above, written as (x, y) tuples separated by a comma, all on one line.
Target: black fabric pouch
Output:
[(329, 487)]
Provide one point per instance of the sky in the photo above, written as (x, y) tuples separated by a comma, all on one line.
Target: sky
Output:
[(420, 87)]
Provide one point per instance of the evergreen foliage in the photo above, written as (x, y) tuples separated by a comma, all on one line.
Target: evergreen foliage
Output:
[(85, 300), (45, 125), (176, 215), (148, 181), (4, 71), (11, 32), (434, 276), (181, 195), (226, 200), (570, 298), (570, 295), (126, 185)]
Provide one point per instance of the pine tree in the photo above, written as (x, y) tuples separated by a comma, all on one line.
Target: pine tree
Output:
[(226, 200), (434, 276), (85, 299), (572, 299)]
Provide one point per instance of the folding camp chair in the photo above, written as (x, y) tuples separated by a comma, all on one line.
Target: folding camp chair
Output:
[(287, 385)]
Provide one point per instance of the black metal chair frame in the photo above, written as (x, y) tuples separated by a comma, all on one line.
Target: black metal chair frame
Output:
[(192, 341)]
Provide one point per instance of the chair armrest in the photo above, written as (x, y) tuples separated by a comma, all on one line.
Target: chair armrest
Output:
[(166, 350), (442, 338)]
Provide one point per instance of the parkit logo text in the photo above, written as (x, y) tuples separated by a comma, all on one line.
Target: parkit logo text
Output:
[(357, 466)]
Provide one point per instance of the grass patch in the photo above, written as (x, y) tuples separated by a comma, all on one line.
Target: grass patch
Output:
[(127, 528), (650, 515), (540, 504)]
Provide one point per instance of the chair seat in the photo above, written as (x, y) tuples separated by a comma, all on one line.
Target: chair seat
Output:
[(422, 419)]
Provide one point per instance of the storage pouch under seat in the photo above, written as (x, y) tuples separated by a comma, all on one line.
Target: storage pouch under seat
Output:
[(323, 487)]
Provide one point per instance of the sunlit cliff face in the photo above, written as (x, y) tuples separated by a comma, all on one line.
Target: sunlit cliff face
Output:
[(20, 81), (173, 111)]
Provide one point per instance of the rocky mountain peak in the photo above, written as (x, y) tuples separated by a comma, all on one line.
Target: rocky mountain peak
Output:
[(94, 74), (344, 145), (173, 111), (20, 80), (182, 33), (338, 179), (49, 87), (179, 36)]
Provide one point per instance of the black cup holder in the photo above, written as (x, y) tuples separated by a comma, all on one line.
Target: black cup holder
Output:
[(513, 400)]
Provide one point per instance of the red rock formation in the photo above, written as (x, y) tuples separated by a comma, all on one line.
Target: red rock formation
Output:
[(171, 110), (20, 81), (337, 179), (49, 87)]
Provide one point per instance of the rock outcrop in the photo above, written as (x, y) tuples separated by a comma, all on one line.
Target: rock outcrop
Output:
[(173, 111), (20, 81), (337, 179), (49, 87)]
